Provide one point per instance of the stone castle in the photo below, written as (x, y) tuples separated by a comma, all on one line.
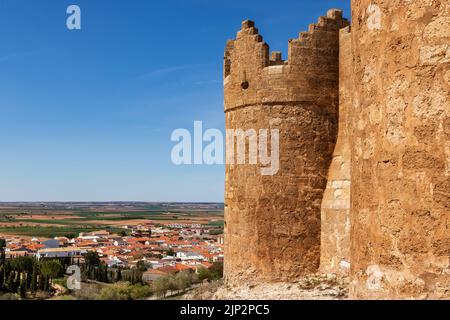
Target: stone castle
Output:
[(363, 188)]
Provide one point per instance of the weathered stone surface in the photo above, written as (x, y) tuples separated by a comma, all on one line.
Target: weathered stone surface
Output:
[(311, 287), (272, 230), (335, 231), (377, 205), (400, 244)]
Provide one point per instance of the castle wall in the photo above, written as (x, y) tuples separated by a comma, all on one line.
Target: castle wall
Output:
[(400, 206), (272, 223), (335, 220)]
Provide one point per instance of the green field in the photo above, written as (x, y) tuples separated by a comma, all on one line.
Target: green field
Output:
[(84, 221), (71, 218), (51, 232), (217, 223)]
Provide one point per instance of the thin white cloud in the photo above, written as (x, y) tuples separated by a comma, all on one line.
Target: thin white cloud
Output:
[(167, 70), (206, 82), (15, 56)]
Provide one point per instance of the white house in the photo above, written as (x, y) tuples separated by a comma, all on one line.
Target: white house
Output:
[(189, 255)]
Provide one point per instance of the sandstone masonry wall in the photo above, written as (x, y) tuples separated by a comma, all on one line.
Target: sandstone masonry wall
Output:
[(377, 201), (400, 207), (335, 220), (272, 223)]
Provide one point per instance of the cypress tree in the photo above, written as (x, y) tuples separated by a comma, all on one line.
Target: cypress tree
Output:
[(119, 275), (45, 284), (34, 279), (2, 252), (22, 290)]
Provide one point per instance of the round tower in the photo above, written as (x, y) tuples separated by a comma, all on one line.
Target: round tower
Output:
[(272, 222), (400, 206)]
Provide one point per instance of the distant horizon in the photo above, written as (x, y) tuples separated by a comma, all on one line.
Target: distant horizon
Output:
[(117, 201)]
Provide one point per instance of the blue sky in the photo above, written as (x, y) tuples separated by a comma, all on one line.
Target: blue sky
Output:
[(86, 115)]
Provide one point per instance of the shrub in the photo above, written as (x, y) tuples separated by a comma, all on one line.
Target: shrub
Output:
[(124, 291), (9, 296)]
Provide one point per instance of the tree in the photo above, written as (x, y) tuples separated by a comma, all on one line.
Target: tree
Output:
[(216, 271), (123, 233), (183, 280), (215, 232), (133, 275), (22, 290), (140, 291), (124, 291), (172, 283), (34, 280), (11, 283), (117, 291), (102, 273), (45, 283), (141, 266), (51, 269), (203, 274), (23, 264), (2, 277), (2, 251), (119, 275), (92, 259), (161, 286)]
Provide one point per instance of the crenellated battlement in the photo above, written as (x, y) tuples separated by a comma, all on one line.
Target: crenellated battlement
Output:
[(253, 75), (278, 216)]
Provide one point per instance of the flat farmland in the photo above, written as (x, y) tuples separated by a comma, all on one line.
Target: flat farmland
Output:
[(64, 219)]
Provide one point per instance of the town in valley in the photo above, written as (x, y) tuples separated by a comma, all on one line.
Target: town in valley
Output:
[(149, 250)]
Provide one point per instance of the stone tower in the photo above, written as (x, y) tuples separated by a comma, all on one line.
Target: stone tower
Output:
[(272, 223), (336, 220), (401, 149)]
